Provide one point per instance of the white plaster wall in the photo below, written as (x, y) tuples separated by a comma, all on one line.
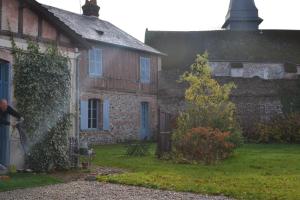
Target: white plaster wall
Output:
[(16, 154), (250, 70)]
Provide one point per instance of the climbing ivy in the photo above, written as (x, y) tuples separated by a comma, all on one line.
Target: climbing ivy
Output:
[(42, 91)]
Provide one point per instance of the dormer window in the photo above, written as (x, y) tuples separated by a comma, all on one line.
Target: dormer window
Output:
[(95, 62), (100, 32)]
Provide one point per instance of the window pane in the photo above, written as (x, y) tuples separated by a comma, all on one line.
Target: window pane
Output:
[(89, 124), (89, 113), (94, 114), (94, 123)]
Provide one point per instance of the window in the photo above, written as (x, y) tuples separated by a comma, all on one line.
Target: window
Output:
[(93, 113), (145, 70), (95, 62), (237, 69)]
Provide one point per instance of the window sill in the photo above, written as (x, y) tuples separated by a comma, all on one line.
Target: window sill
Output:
[(93, 130), (96, 76)]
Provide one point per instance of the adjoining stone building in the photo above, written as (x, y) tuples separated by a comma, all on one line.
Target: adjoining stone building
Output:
[(264, 64), (118, 79)]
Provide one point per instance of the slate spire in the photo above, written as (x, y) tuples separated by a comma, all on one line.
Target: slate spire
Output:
[(90, 8), (242, 15)]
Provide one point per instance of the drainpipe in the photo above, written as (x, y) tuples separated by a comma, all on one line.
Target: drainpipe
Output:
[(77, 99)]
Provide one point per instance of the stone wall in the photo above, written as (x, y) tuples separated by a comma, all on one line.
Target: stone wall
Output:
[(267, 71), (125, 115), (258, 97)]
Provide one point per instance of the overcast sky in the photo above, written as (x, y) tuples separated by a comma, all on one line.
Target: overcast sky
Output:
[(134, 16)]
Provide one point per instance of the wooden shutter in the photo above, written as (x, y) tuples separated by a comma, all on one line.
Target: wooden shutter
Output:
[(91, 62), (141, 69), (95, 62), (98, 62), (84, 115), (106, 110), (147, 65), (145, 70)]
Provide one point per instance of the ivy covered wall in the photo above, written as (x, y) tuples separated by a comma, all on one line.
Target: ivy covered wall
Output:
[(42, 82)]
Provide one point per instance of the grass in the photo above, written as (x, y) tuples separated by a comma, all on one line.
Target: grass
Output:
[(254, 172), (21, 181)]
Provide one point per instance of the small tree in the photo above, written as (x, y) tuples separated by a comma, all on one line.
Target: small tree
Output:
[(208, 103)]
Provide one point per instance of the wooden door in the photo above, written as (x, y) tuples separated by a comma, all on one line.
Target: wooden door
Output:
[(4, 138), (145, 132)]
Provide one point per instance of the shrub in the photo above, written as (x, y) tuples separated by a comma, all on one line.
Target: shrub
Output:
[(137, 148), (281, 129), (51, 153), (204, 144)]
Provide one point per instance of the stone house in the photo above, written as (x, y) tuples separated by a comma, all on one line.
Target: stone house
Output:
[(264, 64), (118, 79), (114, 76), (29, 20)]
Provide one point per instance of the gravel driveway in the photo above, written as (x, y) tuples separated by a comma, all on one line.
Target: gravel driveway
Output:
[(98, 191)]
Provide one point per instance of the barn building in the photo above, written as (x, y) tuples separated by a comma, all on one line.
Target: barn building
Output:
[(264, 64)]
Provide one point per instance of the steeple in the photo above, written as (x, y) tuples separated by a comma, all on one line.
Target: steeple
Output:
[(91, 8), (242, 15)]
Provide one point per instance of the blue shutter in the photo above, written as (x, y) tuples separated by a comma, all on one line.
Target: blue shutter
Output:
[(84, 115), (98, 63), (147, 70), (95, 62), (91, 62), (106, 121), (141, 69)]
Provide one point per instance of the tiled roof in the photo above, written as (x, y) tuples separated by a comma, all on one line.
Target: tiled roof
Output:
[(95, 29)]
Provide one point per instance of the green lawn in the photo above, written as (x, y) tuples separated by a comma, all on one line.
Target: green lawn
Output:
[(20, 181), (254, 172)]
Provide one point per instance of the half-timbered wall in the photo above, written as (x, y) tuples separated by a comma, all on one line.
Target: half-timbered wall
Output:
[(21, 20), (24, 23)]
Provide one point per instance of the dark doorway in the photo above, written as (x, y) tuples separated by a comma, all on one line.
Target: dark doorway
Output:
[(4, 137)]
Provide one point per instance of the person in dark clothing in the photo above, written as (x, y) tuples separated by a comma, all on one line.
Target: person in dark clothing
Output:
[(6, 110)]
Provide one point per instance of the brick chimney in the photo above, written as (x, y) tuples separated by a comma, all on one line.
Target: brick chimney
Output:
[(91, 8)]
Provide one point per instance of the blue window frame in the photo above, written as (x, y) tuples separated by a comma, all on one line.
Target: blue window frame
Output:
[(145, 70), (95, 62)]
